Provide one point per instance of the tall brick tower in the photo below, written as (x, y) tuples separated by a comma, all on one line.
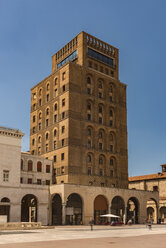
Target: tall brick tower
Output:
[(79, 116)]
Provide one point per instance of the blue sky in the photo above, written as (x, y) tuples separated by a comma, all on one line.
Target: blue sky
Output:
[(31, 31)]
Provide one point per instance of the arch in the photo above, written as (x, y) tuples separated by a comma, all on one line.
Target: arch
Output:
[(133, 210), (89, 158), (5, 207), (101, 133), (30, 165), (100, 207), (162, 216), (88, 80), (74, 209), (56, 210), (153, 215), (112, 161), (150, 214), (118, 207), (29, 205), (5, 199)]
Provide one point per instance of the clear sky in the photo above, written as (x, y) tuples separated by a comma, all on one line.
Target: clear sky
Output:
[(31, 31)]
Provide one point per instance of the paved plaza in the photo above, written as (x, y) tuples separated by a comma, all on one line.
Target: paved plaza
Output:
[(82, 237)]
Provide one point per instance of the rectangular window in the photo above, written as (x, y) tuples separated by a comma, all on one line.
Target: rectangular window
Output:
[(55, 118), (100, 172), (90, 64), (39, 181), (110, 98), (63, 142), (88, 91), (54, 144), (55, 158), (111, 123), (101, 69), (63, 129), (111, 148), (48, 97), (39, 127), (96, 67), (55, 92), (63, 88), (29, 180), (6, 176), (112, 73), (89, 144), (33, 130), (100, 146), (89, 117), (47, 182), (46, 122), (100, 94), (46, 147), (111, 173), (62, 170), (40, 102), (62, 156), (63, 102), (21, 180), (89, 171), (34, 117), (106, 71), (100, 120), (63, 75), (47, 168), (63, 115)]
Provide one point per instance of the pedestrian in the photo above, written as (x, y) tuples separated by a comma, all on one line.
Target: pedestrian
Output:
[(91, 222)]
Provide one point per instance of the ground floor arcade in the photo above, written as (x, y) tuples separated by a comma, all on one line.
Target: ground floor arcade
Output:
[(74, 204)]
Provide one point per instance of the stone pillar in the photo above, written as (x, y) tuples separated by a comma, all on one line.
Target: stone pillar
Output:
[(42, 213), (63, 213), (125, 215), (15, 213)]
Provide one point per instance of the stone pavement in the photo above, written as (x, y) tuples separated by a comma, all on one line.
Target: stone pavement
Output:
[(136, 236)]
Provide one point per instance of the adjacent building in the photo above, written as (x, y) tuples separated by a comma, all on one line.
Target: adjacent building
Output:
[(153, 182), (24, 181)]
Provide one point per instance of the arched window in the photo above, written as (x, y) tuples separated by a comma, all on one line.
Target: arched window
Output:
[(40, 116), (5, 199), (55, 106), (47, 111), (39, 139), (100, 134), (47, 136), (89, 159), (48, 86), (56, 81), (55, 133), (40, 92), (100, 109), (111, 112), (88, 80), (30, 165), (39, 166)]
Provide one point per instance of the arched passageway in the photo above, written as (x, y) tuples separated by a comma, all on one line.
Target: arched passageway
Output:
[(118, 207), (29, 208), (162, 214), (100, 208), (56, 210), (133, 210), (5, 207), (150, 214), (152, 211), (74, 210)]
